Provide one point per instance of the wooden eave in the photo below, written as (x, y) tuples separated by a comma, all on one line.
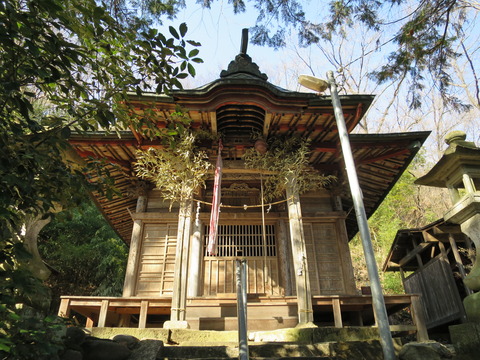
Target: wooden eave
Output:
[(409, 243), (380, 159)]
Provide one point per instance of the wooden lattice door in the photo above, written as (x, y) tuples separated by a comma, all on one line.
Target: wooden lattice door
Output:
[(242, 241), (156, 260)]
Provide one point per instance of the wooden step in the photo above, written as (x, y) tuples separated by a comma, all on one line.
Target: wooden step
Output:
[(264, 313)]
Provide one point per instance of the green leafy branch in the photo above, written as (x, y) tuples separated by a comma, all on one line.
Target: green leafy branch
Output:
[(176, 170), (286, 159)]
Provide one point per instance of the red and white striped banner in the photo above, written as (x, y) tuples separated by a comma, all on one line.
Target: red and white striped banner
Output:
[(214, 215)]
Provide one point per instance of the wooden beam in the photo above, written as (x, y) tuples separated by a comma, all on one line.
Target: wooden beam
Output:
[(459, 262), (102, 318), (89, 154), (429, 237), (213, 121), (393, 264), (266, 124), (403, 328), (442, 250), (418, 250), (447, 229), (103, 142), (385, 144)]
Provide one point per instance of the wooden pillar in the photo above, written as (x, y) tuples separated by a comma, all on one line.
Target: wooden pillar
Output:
[(90, 321), (459, 262), (299, 254), (64, 310), (337, 313), (195, 260), (132, 263), (418, 317), (142, 318), (283, 263), (102, 317), (179, 297)]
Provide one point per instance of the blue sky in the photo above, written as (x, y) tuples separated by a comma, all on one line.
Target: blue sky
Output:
[(219, 30)]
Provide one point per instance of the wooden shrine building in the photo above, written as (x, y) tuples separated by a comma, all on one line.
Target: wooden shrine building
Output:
[(299, 263)]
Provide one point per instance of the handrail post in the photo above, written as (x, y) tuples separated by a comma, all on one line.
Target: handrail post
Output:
[(241, 277)]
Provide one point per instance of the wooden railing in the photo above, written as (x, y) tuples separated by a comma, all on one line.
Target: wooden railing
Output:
[(113, 311), (361, 305), (96, 308)]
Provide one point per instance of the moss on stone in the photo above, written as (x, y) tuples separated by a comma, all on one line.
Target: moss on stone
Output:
[(108, 333), (202, 337)]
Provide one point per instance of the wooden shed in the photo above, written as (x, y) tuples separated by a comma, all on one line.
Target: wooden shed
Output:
[(432, 262), (299, 264)]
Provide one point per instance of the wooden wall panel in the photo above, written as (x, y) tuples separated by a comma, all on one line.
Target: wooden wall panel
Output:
[(157, 260), (324, 259), (440, 298), (315, 202), (156, 203)]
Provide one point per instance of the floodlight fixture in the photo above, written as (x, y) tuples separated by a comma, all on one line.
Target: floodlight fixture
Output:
[(313, 83)]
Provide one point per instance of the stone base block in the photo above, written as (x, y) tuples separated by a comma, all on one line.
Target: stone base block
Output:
[(147, 350), (465, 338), (472, 307)]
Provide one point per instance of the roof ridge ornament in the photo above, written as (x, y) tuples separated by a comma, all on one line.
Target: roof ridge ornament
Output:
[(243, 63)]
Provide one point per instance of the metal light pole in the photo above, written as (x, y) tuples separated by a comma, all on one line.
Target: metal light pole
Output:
[(241, 277), (377, 296)]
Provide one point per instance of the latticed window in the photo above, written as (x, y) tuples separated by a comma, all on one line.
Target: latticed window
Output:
[(243, 241)]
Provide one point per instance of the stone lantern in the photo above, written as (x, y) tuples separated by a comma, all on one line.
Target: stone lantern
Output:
[(459, 171)]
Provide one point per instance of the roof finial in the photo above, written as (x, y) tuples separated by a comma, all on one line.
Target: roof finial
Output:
[(244, 45), (243, 63)]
